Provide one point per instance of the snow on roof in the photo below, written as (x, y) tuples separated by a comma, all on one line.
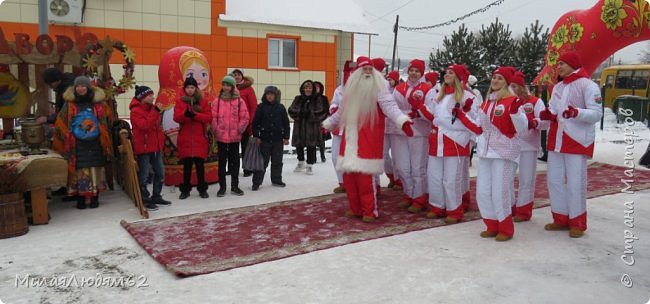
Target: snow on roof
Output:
[(341, 15)]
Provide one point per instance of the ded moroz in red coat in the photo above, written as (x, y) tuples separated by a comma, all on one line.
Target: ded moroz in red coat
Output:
[(148, 135), (362, 147), (192, 140)]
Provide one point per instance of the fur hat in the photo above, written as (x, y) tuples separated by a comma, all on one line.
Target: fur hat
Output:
[(432, 77), (572, 59), (82, 80), (190, 81), (273, 90), (519, 78), (379, 64), (507, 72), (51, 75), (229, 80), (142, 91), (418, 64), (363, 60)]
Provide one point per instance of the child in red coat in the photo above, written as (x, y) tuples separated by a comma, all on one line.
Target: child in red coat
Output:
[(192, 113), (148, 141)]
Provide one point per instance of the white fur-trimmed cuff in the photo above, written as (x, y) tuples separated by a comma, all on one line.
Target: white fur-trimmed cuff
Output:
[(399, 122), (328, 125)]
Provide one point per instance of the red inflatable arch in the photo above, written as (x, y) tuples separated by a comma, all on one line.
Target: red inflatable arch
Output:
[(595, 33)]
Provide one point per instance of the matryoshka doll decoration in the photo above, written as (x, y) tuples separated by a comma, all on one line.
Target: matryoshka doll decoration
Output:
[(177, 64)]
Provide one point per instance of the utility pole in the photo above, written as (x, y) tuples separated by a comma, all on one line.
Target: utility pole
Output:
[(392, 64)]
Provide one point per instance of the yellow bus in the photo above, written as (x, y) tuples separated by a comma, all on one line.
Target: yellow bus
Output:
[(624, 80)]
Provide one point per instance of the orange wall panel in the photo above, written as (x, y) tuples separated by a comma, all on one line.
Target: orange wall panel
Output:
[(235, 59), (219, 59), (185, 40), (151, 39), (133, 38), (306, 48), (250, 44), (305, 62), (218, 43), (262, 61), (249, 60), (319, 63), (234, 44), (149, 55), (168, 40), (202, 42)]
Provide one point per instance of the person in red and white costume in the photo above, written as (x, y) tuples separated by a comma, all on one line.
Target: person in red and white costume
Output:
[(366, 104), (432, 79), (449, 145), (478, 100), (574, 108), (530, 141), (336, 133), (410, 153), (393, 181), (499, 121)]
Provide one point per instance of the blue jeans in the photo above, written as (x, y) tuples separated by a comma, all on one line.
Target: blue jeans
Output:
[(155, 161)]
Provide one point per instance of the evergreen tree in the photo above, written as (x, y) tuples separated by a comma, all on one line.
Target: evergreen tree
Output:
[(530, 50), (459, 48), (496, 47)]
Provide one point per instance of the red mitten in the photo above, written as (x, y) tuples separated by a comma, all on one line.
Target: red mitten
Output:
[(416, 100), (571, 112), (414, 114), (547, 115), (514, 107), (470, 125), (468, 105), (407, 128), (532, 124)]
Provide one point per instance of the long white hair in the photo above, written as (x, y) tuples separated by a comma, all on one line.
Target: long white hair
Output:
[(360, 96)]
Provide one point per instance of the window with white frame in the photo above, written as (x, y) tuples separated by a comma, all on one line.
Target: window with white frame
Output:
[(282, 53)]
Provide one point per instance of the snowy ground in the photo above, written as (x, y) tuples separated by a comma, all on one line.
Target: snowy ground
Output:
[(443, 265)]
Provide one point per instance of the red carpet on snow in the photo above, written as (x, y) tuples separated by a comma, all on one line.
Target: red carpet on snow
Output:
[(221, 240)]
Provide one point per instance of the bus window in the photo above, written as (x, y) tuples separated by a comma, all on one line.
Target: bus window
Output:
[(624, 79), (640, 79), (609, 81)]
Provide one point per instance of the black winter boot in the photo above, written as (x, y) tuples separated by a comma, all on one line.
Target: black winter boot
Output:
[(94, 201), (81, 202)]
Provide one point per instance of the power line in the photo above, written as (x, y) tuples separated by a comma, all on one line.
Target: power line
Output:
[(405, 4), (502, 13), (480, 10)]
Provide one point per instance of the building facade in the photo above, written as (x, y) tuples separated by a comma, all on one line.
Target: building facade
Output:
[(282, 50)]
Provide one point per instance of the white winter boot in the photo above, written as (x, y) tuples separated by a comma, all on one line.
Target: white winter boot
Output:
[(309, 171), (300, 167)]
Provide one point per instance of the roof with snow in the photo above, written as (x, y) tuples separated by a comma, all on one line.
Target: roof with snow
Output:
[(340, 15)]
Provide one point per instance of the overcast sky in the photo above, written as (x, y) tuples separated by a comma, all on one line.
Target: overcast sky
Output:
[(517, 13)]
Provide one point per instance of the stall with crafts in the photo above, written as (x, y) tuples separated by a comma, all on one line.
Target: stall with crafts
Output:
[(29, 164)]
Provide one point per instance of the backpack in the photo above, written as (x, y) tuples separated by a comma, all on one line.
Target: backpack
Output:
[(85, 125)]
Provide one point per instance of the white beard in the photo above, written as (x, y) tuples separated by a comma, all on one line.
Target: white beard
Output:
[(360, 97)]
